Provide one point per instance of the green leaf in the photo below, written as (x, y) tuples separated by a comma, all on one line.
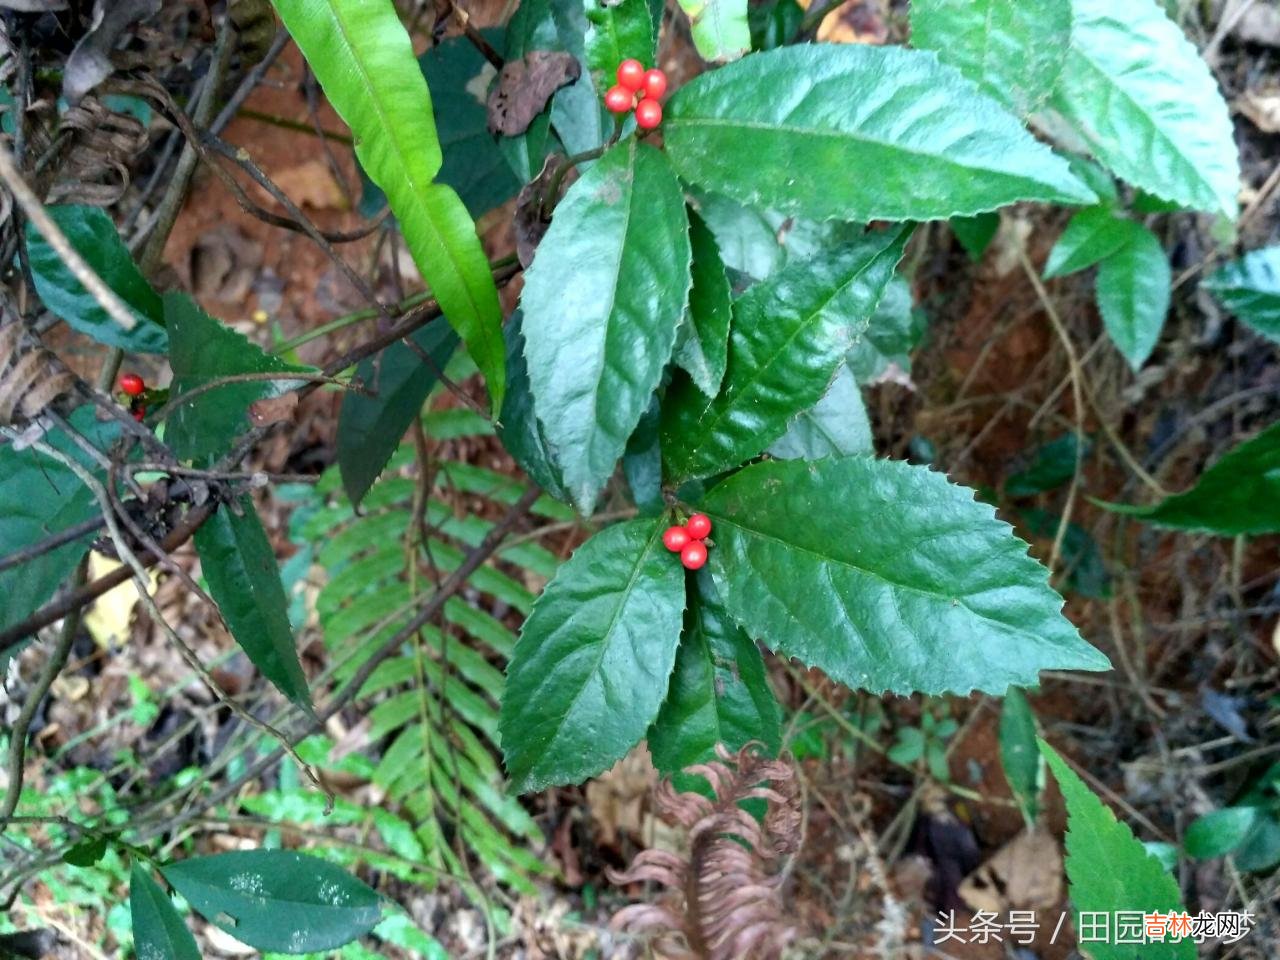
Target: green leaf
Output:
[(93, 235), (40, 497), (619, 31), (896, 329), (591, 667), (518, 428), (1012, 49), (835, 426), (1240, 494), (1217, 833), (1092, 235), (87, 852), (642, 464), (601, 303), (719, 691), (702, 342), (719, 27), (976, 233), (908, 747), (1086, 571), (1110, 871), (243, 577), (1134, 286), (1053, 464), (202, 350), (887, 577), (1139, 94), (758, 129), (158, 930), (1019, 755), (789, 335), (277, 899), (363, 58), (370, 428), (1250, 288)]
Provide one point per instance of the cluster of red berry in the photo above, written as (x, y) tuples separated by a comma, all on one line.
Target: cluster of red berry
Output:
[(635, 81), (687, 540), (133, 387)]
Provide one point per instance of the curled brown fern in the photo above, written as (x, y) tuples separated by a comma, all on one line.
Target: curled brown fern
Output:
[(31, 378), (726, 896)]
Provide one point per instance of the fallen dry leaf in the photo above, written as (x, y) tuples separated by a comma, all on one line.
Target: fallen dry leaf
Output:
[(1024, 874), (311, 184), (525, 86), (273, 409)]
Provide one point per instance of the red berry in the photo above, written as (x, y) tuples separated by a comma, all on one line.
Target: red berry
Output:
[(694, 554), (631, 74), (699, 526), (648, 114), (138, 413), (618, 99), (655, 83), (132, 384), (675, 538)]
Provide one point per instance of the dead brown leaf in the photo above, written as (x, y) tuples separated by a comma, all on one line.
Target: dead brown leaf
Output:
[(311, 184), (1024, 874), (524, 87)]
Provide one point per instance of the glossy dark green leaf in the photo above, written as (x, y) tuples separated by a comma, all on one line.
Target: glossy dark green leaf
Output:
[(746, 240), (1012, 49), (592, 664), (719, 28), (1240, 494), (158, 930), (1134, 286), (1250, 288), (887, 577), (1110, 871), (1217, 833), (370, 427), (719, 691), (642, 464), (93, 235), (1139, 94), (602, 302), (702, 342), (518, 428), (363, 57), (620, 30), (1092, 235), (40, 497), (895, 329), (774, 22), (87, 852), (835, 426), (976, 233), (277, 900), (1052, 465), (1019, 754), (202, 350), (244, 579), (788, 337), (761, 129)]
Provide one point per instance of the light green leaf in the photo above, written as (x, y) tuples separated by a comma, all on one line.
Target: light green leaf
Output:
[(702, 342), (719, 692), (789, 335), (1110, 871), (835, 426), (1012, 49), (370, 427), (277, 899), (240, 565), (1134, 286), (1217, 833), (719, 27), (602, 301), (202, 350), (1019, 755), (887, 577), (620, 30), (1092, 235), (758, 129), (363, 58), (894, 331), (1250, 288), (591, 667), (1140, 95), (1240, 494), (158, 930), (93, 235)]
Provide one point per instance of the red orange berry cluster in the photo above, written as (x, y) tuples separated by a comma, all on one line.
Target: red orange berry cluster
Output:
[(133, 387), (635, 81), (687, 540)]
